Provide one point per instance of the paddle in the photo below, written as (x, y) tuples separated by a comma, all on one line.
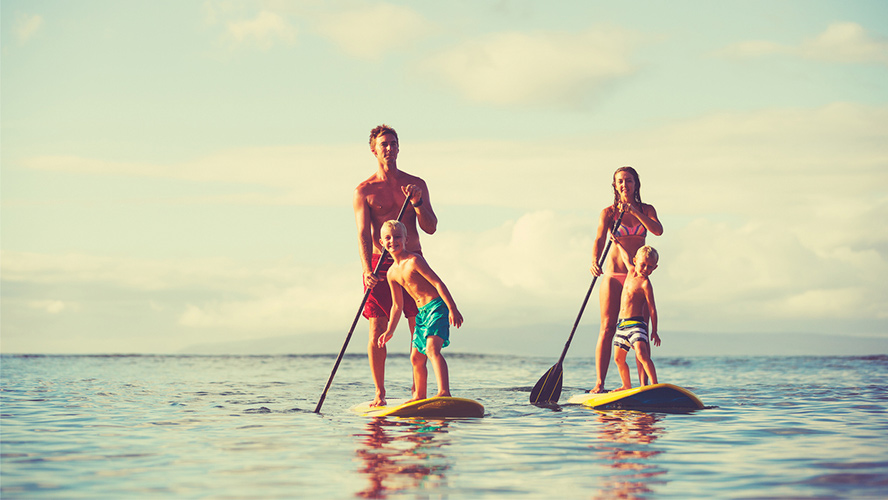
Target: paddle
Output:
[(357, 317), (548, 388)]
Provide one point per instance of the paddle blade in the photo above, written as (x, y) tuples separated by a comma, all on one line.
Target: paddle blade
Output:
[(548, 388)]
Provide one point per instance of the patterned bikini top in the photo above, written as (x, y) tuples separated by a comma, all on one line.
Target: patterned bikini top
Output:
[(636, 230)]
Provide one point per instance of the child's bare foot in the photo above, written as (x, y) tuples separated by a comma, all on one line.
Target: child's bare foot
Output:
[(415, 397)]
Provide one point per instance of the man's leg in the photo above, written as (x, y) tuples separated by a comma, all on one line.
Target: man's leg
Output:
[(377, 355)]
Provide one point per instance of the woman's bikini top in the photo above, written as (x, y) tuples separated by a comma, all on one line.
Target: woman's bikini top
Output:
[(636, 230)]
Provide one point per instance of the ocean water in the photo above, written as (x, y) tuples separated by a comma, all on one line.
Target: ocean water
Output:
[(244, 427)]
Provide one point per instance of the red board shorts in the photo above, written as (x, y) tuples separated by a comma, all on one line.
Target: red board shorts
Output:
[(379, 303)]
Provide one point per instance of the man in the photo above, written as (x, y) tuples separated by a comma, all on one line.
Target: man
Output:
[(377, 200)]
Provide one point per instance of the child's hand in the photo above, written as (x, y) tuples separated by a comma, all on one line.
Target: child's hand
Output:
[(656, 339), (388, 336), (456, 318)]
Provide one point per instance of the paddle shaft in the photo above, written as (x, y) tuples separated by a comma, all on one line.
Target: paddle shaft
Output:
[(589, 292), (357, 317)]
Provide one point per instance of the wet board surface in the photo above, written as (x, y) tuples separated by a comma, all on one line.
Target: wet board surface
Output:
[(663, 397), (431, 407)]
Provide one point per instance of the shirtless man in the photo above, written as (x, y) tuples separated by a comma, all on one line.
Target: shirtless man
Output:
[(377, 200)]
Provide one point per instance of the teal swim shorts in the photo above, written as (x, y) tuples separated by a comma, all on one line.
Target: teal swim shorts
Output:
[(433, 319)]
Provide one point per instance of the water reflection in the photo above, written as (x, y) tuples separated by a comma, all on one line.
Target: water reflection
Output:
[(402, 454), (625, 444)]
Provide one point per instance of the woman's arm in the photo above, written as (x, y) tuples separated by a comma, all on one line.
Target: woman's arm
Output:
[(604, 225)]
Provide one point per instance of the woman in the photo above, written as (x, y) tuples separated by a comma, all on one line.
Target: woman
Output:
[(639, 219)]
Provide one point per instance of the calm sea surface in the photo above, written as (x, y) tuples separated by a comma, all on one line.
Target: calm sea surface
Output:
[(244, 427)]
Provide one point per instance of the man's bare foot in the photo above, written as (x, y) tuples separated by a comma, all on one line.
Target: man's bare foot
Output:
[(622, 388), (379, 401)]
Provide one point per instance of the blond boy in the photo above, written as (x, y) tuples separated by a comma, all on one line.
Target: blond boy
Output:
[(437, 311), (637, 299)]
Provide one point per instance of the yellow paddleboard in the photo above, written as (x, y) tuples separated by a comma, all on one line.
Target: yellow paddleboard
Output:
[(663, 397), (431, 407)]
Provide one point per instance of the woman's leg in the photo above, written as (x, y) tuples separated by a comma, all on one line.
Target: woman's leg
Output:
[(609, 300)]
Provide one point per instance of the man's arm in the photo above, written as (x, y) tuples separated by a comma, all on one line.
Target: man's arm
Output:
[(365, 236), (418, 192)]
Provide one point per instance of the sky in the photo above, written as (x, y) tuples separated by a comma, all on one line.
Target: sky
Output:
[(178, 173)]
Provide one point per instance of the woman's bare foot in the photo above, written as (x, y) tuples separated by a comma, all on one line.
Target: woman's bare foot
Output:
[(379, 401), (622, 388), (598, 390)]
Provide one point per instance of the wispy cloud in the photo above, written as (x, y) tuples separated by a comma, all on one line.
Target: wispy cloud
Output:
[(265, 30), (372, 31), (52, 306), (26, 26), (844, 42), (769, 214), (540, 68), (251, 24)]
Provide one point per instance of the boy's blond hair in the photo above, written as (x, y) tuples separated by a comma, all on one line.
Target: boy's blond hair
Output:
[(648, 251), (391, 224)]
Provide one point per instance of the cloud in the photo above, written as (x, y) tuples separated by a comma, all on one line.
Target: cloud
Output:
[(798, 158), (543, 68), (221, 292), (770, 214), (844, 42), (374, 30), (26, 26), (245, 26), (265, 30), (52, 306), (292, 172)]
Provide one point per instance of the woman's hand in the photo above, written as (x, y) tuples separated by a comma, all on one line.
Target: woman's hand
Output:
[(595, 270), (630, 206)]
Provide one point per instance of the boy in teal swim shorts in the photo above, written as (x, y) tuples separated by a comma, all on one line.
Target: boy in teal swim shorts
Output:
[(437, 311)]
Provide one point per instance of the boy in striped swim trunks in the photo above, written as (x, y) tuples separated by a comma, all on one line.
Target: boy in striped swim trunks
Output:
[(437, 311), (632, 330)]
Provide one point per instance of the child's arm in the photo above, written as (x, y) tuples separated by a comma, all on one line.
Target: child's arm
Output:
[(425, 270), (395, 313), (652, 308)]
